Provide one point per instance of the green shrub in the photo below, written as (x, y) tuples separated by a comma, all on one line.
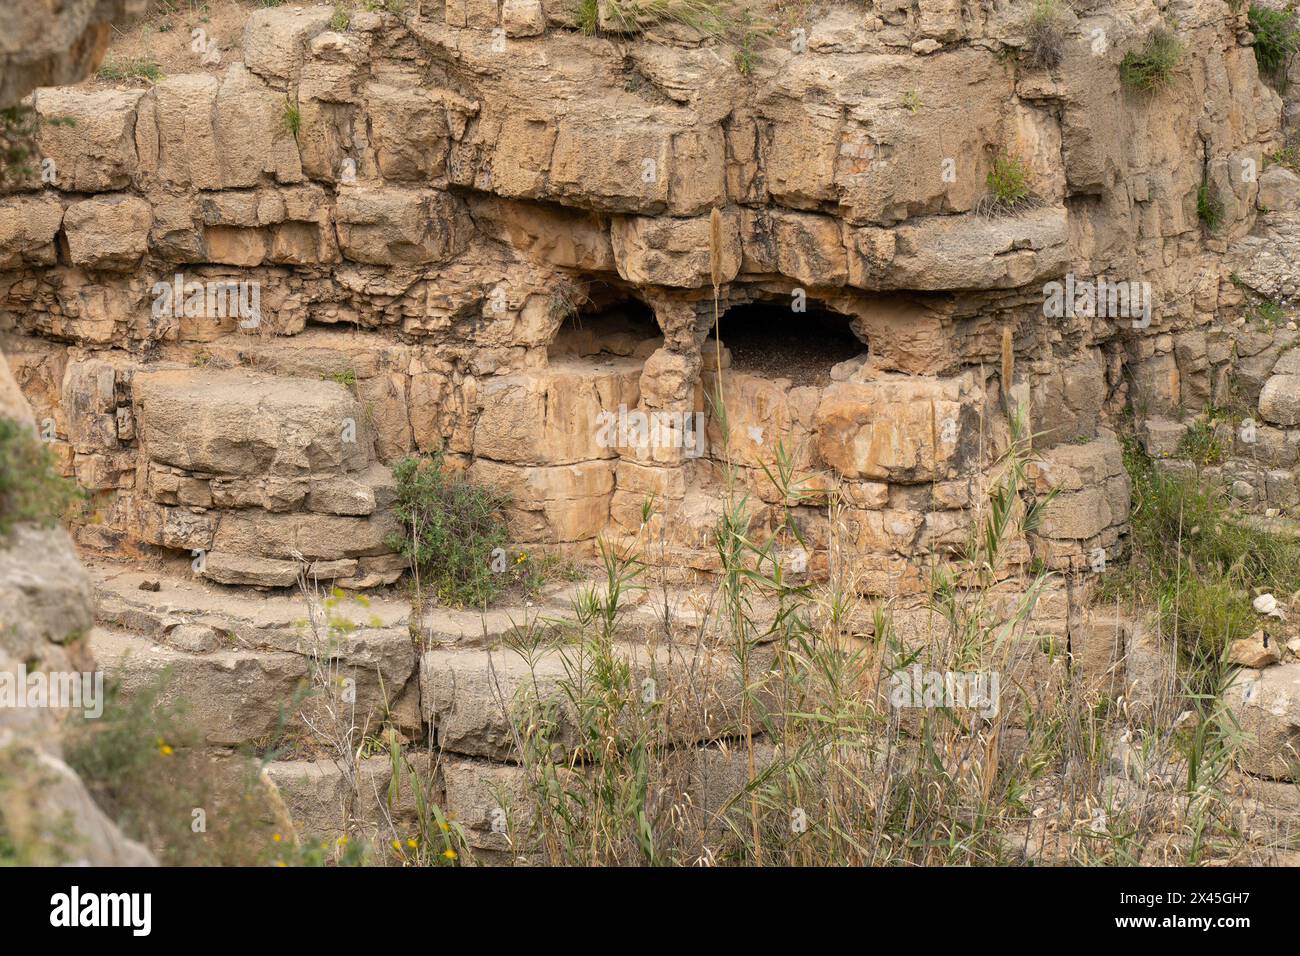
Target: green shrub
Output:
[(340, 21), (1045, 34), (1150, 68), (30, 487), (450, 530), (1276, 39), (1209, 208), (1288, 156), (1008, 186), (588, 17), (17, 143)]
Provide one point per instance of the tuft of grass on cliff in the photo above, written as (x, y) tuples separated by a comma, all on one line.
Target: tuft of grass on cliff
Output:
[(1150, 68), (1045, 35), (116, 71)]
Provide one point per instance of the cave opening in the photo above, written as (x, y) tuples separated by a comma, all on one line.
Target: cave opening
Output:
[(769, 339), (607, 325)]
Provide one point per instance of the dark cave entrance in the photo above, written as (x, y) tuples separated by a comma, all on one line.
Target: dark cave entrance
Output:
[(771, 340), (609, 326)]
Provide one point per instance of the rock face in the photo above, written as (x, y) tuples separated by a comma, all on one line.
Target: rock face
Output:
[(236, 296), (454, 184)]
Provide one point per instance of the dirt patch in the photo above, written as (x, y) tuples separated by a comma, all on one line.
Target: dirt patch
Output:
[(163, 43)]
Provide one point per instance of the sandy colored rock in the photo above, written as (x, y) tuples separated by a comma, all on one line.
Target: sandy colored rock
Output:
[(1266, 704), (107, 232)]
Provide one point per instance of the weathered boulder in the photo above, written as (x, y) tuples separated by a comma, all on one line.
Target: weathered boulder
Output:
[(56, 43), (28, 226), (108, 232), (241, 423), (400, 227), (275, 38), (90, 136), (1266, 704), (672, 252), (1279, 400), (523, 18), (1279, 189), (896, 428)]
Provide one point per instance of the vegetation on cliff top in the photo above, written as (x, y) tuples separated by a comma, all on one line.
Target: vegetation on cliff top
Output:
[(1276, 40)]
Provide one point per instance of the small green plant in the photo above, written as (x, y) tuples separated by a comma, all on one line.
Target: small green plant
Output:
[(747, 45), (292, 117), (1045, 35), (911, 101), (1276, 40), (30, 487), (17, 143), (346, 377), (1209, 208), (1288, 156), (1201, 444), (1266, 313), (451, 529), (341, 20), (1150, 68), (130, 68), (1008, 185)]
